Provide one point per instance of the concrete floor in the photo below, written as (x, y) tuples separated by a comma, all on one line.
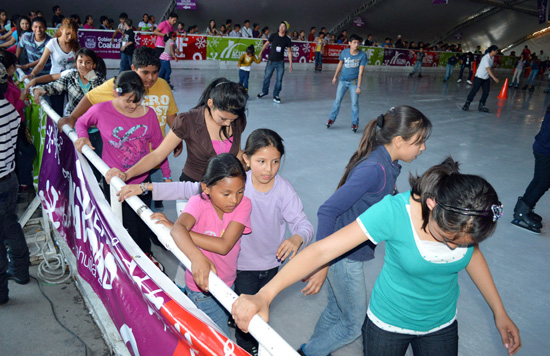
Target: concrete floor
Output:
[(495, 145)]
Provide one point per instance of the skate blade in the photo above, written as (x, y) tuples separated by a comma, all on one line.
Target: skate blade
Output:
[(519, 224)]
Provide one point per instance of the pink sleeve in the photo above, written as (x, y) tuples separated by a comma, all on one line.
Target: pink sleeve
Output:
[(156, 140), (194, 207), (242, 214), (85, 121)]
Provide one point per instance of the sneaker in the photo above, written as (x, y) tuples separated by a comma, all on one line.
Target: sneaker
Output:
[(18, 280), (253, 350), (469, 81), (532, 89), (155, 261), (261, 95), (354, 128), (482, 108), (458, 81), (329, 123), (276, 99)]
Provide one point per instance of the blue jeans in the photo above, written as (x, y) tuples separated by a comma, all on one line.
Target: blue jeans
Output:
[(243, 78), (165, 70), (11, 235), (211, 307), (449, 71), (417, 65), (378, 342), (343, 86), (125, 62), (269, 69), (341, 321), (318, 59), (532, 77)]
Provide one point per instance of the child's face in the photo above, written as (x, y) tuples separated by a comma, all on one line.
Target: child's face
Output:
[(354, 45), (126, 104), (408, 150), (90, 21), (221, 118), (84, 64), (38, 29), (264, 164), (226, 194), (3, 16), (452, 241), (66, 34), (25, 25), (10, 70), (248, 54), (148, 75)]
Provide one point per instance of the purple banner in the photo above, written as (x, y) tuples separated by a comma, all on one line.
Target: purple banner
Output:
[(150, 322), (398, 57), (186, 4)]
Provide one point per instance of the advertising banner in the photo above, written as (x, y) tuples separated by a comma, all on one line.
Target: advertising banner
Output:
[(186, 4), (191, 48), (150, 321), (398, 57), (230, 48)]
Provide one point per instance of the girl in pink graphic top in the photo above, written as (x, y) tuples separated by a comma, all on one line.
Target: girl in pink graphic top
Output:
[(127, 129)]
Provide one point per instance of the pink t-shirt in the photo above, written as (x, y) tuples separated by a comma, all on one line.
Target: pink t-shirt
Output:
[(125, 139), (165, 28), (88, 26), (208, 223), (222, 146)]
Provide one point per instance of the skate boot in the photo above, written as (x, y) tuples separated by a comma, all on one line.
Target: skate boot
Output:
[(466, 106), (482, 108), (523, 219), (532, 89)]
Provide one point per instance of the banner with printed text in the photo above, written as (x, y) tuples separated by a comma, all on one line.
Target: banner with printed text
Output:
[(150, 321)]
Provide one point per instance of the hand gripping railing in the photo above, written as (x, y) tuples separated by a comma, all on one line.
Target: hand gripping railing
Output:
[(271, 343)]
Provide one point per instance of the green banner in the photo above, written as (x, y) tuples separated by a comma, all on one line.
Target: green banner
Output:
[(375, 55), (444, 57), (230, 48)]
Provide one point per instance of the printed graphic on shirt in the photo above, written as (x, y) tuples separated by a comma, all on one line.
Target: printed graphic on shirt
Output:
[(130, 146), (351, 63), (160, 105)]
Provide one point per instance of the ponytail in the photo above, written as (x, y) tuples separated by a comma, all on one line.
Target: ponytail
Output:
[(404, 121)]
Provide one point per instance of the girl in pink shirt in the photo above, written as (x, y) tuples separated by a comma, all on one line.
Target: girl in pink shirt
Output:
[(127, 129), (209, 231)]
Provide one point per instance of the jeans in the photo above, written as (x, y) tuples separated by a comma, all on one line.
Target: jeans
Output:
[(378, 342), (343, 86), (532, 77), (125, 62), (517, 76), (211, 307), (269, 69), (485, 85), (449, 71), (11, 235), (250, 282), (165, 70), (341, 321), (318, 59), (243, 78), (417, 65), (462, 71), (541, 180)]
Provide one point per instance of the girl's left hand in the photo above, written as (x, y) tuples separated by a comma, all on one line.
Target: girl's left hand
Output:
[(201, 267), (162, 219), (289, 247), (129, 191), (81, 141), (509, 333)]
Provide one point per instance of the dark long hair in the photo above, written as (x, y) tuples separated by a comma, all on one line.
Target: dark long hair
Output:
[(261, 138), (465, 204), (403, 120), (130, 82), (222, 166), (226, 96)]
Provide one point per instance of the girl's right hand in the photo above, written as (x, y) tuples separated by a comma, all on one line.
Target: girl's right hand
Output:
[(201, 267), (128, 191), (162, 219), (315, 281), (246, 306), (37, 93), (115, 172), (81, 141)]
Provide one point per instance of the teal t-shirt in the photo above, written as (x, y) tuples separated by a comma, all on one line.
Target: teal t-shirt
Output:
[(411, 292)]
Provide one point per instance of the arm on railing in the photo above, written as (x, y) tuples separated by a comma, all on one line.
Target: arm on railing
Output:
[(268, 338)]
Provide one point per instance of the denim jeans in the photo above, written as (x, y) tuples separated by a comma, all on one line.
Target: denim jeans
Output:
[(11, 235), (269, 69), (417, 65), (464, 66), (378, 342), (341, 321), (343, 86), (243, 78), (532, 77), (449, 71), (250, 282), (125, 62), (165, 70), (211, 307), (541, 180), (318, 59)]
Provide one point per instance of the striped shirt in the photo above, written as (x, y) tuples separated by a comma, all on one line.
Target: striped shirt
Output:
[(34, 50), (9, 127)]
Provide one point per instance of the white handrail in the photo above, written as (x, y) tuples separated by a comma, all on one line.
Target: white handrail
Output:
[(268, 338)]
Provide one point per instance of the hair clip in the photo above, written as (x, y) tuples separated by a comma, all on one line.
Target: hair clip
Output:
[(380, 121), (497, 210), (118, 90), (221, 83)]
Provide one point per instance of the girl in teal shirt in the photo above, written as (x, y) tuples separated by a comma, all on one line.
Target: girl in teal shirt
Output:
[(431, 233)]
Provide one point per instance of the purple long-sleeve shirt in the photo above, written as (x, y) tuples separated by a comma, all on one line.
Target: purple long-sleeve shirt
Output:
[(271, 212)]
